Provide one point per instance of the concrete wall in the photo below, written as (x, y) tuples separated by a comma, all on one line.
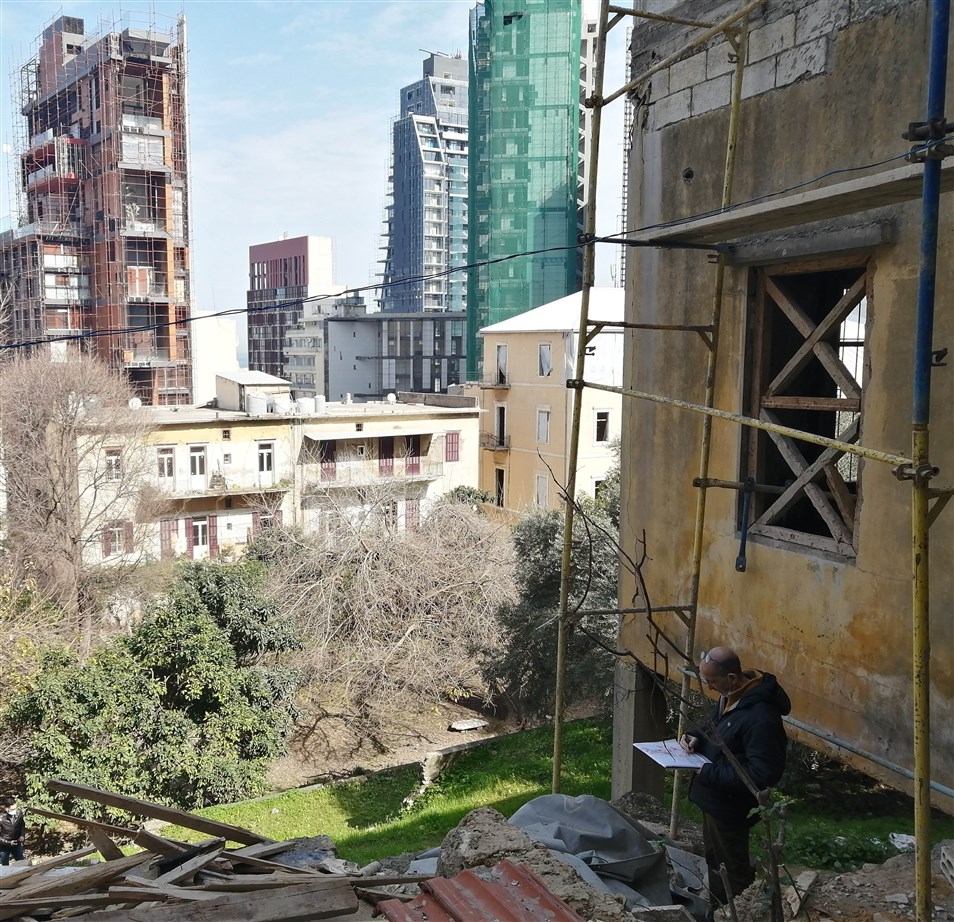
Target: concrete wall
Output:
[(828, 85)]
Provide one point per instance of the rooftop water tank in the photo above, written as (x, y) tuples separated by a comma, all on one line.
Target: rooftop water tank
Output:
[(306, 406), (319, 404), (256, 404)]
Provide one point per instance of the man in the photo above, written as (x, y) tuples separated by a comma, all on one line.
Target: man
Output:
[(746, 720), (12, 831)]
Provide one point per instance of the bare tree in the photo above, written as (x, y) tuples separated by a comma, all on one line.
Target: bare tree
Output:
[(392, 616), (75, 481)]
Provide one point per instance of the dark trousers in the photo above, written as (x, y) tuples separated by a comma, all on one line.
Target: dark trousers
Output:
[(7, 850), (728, 844)]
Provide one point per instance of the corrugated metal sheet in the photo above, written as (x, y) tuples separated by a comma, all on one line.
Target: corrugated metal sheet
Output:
[(506, 893)]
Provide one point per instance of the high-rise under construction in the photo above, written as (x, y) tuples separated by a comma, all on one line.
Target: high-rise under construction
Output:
[(529, 71), (101, 254)]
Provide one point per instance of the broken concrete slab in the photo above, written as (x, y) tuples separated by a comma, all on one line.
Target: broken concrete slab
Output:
[(672, 913), (484, 838)]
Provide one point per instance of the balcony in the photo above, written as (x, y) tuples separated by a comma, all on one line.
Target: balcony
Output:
[(494, 441), (497, 380), (368, 472), (142, 124)]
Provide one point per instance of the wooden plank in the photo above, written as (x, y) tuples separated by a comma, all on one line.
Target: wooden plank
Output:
[(821, 404), (121, 832), (147, 893), (825, 352), (11, 880), (157, 811), (846, 304), (239, 883), (153, 843), (803, 539), (188, 868), (270, 865), (104, 844), (844, 498), (261, 850), (323, 898), (11, 909), (88, 878), (887, 187)]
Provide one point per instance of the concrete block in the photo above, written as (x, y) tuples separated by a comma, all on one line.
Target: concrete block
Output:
[(821, 18), (806, 60), (673, 108), (717, 60), (758, 78), (772, 38), (687, 73), (711, 95), (660, 84), (662, 914)]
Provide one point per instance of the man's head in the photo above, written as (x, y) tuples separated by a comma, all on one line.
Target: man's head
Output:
[(721, 670)]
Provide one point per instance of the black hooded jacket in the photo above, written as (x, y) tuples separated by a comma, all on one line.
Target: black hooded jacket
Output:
[(754, 734), (12, 827)]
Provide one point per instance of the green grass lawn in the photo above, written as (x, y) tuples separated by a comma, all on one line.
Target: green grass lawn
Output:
[(366, 818)]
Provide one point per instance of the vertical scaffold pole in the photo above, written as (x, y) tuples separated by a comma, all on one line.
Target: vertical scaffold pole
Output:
[(920, 419), (739, 42), (589, 264)]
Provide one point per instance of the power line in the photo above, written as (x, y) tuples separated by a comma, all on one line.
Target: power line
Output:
[(615, 238)]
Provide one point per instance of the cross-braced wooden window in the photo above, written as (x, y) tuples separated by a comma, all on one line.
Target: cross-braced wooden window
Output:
[(808, 365)]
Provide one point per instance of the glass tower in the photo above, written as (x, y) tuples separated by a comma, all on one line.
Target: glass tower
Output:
[(525, 191), (426, 223)]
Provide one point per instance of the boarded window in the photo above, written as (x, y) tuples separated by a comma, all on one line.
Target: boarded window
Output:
[(808, 367)]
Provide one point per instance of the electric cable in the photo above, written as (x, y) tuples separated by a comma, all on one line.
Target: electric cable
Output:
[(615, 238)]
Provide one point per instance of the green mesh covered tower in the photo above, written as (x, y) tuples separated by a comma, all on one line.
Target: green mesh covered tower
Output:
[(524, 159)]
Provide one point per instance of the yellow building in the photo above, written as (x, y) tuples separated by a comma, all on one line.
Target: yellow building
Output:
[(528, 409)]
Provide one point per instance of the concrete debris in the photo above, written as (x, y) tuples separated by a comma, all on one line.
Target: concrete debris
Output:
[(662, 914), (796, 896), (902, 899), (946, 860)]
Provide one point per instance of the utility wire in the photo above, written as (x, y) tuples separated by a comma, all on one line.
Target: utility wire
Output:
[(617, 238)]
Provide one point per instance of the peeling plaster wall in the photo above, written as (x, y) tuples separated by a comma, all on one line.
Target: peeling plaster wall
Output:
[(831, 84)]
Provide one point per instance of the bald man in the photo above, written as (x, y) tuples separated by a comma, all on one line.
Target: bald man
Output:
[(748, 721)]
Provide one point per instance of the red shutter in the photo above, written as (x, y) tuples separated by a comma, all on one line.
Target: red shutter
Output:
[(107, 542), (167, 528), (413, 452), (190, 538), (129, 537), (329, 458), (452, 447), (213, 536), (412, 515)]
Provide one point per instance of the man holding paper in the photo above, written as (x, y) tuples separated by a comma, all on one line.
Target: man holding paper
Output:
[(746, 720)]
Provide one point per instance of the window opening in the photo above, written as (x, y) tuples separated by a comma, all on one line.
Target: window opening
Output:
[(808, 367)]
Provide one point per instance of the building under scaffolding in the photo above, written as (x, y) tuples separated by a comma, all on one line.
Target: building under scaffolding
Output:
[(101, 254), (786, 468)]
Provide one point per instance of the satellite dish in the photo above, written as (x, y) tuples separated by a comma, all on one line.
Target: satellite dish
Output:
[(134, 403)]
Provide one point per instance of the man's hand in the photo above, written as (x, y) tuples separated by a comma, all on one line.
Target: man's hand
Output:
[(689, 743)]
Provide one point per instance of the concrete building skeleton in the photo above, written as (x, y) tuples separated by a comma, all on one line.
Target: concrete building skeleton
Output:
[(101, 253)]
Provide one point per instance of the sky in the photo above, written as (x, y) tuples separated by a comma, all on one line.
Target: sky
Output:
[(290, 109)]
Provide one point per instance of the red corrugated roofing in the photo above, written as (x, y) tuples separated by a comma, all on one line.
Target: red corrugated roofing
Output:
[(506, 893)]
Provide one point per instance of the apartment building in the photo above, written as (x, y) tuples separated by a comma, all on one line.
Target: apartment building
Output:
[(425, 230), (528, 409), (282, 276), (530, 69), (102, 242), (372, 355), (258, 458)]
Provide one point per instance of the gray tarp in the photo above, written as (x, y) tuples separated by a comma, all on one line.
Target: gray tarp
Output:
[(622, 855)]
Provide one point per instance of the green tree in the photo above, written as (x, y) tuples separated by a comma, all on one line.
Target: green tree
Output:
[(524, 673), (189, 709)]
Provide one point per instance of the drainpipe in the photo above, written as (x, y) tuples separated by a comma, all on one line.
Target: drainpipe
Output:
[(922, 471)]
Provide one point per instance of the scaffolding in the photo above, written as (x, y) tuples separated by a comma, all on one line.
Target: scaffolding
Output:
[(837, 454), (101, 254)]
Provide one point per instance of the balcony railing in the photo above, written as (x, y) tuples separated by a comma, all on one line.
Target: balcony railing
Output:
[(495, 380), (368, 472), (494, 441)]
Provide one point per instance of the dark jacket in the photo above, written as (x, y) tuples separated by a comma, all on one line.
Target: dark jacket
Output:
[(754, 734), (12, 827)]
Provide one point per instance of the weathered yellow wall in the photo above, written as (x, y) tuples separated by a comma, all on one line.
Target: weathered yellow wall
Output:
[(837, 632)]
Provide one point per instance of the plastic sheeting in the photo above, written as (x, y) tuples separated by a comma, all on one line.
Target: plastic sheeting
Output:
[(615, 852)]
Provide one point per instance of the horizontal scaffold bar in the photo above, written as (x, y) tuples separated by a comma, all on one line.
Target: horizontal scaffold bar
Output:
[(860, 450)]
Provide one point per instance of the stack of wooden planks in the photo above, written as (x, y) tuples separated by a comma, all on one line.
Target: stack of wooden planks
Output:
[(170, 881)]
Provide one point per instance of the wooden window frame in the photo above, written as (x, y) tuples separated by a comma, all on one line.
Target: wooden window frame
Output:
[(811, 478)]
